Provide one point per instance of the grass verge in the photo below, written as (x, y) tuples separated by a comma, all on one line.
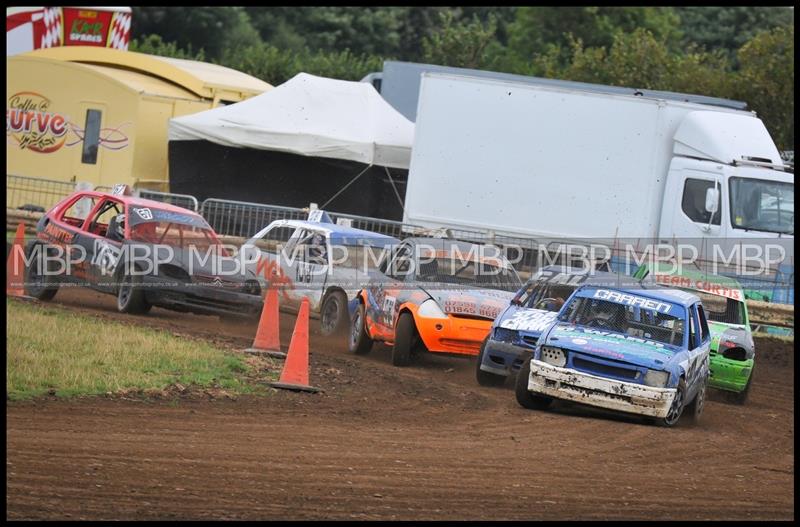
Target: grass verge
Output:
[(52, 350)]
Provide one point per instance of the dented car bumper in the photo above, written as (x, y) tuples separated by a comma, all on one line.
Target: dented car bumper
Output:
[(571, 385)]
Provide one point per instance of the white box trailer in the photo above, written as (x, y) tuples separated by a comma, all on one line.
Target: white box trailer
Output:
[(551, 162)]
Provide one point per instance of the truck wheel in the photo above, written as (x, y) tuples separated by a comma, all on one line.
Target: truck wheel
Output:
[(360, 343), (40, 286), (741, 397), (486, 378), (676, 410), (525, 398), (695, 408), (333, 315), (403, 340), (130, 295)]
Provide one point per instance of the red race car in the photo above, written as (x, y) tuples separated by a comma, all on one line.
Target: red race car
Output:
[(145, 252)]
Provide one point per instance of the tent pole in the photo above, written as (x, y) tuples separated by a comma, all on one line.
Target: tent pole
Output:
[(345, 187)]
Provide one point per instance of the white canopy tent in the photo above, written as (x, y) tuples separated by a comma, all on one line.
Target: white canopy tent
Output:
[(309, 116)]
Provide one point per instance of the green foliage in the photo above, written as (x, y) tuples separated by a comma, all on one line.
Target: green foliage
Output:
[(154, 45), (459, 44), (729, 28), (536, 29), (277, 66), (715, 51), (766, 81), (212, 29)]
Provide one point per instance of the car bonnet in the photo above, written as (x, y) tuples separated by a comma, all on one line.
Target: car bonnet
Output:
[(484, 303), (611, 345)]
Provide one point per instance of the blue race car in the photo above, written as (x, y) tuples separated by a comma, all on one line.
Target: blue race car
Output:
[(515, 332), (636, 350)]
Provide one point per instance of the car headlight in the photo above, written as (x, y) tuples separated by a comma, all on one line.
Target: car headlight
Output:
[(430, 309), (656, 378), (554, 356)]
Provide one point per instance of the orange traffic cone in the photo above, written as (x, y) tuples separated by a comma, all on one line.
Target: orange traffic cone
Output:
[(295, 370), (15, 267), (267, 341)]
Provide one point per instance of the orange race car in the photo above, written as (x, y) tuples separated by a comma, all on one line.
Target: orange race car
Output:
[(432, 294)]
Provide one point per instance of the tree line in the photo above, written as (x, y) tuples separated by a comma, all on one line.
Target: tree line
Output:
[(743, 53)]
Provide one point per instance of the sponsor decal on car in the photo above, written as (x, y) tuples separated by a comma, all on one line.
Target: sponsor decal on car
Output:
[(632, 300), (529, 320)]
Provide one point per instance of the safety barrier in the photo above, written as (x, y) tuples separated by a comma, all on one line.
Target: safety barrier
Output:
[(179, 200), (241, 218), (244, 219), (35, 194)]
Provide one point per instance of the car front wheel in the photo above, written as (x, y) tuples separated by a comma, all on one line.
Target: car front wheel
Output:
[(695, 408), (130, 295), (360, 343), (333, 315), (403, 340), (39, 282), (676, 409), (741, 397), (525, 398)]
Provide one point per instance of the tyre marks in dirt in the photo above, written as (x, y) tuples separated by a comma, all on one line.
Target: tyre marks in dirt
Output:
[(424, 442)]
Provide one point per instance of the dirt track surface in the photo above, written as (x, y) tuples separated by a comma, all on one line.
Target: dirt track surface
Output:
[(424, 442)]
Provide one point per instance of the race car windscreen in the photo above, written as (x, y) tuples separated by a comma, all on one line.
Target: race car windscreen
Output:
[(541, 295), (629, 315), (454, 268)]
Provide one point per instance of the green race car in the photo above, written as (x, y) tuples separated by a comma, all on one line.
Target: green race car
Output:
[(732, 348)]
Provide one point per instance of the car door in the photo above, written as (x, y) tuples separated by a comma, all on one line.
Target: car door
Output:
[(309, 266), (63, 229), (104, 249), (271, 263), (696, 366), (386, 293)]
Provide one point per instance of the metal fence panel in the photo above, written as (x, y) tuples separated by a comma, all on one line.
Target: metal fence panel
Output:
[(244, 219), (179, 200), (35, 193)]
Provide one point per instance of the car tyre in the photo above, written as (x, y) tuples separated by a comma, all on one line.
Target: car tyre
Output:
[(333, 315), (360, 343), (695, 408), (525, 398), (741, 397), (403, 340), (131, 296), (486, 378), (36, 285), (676, 409)]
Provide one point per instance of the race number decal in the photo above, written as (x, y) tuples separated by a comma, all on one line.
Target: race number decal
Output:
[(302, 273), (388, 304), (106, 257), (145, 214)]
